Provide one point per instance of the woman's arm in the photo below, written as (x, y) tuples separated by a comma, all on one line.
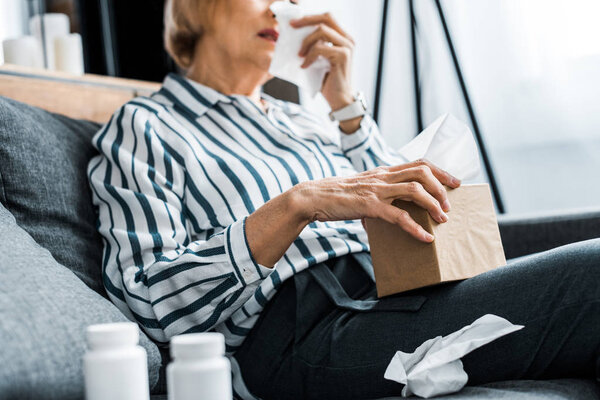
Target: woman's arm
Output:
[(366, 149), (272, 228), (361, 141)]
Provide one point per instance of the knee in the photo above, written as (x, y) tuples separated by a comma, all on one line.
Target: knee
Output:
[(578, 265), (584, 254)]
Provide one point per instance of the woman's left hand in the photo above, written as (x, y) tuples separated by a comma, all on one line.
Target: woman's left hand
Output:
[(331, 42)]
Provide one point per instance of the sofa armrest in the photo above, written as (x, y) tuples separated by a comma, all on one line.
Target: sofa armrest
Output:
[(527, 234)]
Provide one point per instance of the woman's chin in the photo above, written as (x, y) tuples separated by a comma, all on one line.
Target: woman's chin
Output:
[(264, 62)]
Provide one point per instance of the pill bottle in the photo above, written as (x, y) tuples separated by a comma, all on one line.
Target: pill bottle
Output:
[(199, 369), (115, 367)]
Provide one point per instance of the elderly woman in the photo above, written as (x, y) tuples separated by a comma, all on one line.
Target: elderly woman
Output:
[(223, 209)]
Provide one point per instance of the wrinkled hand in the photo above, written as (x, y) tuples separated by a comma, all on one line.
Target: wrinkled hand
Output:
[(370, 194), (333, 43)]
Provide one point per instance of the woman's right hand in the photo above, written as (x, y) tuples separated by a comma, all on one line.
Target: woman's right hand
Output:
[(370, 194)]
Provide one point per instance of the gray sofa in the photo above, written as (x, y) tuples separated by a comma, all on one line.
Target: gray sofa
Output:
[(50, 264)]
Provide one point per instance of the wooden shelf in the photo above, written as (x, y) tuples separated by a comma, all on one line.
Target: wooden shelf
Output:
[(91, 97)]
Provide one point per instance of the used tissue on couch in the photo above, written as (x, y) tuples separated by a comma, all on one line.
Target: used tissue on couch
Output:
[(465, 246), (435, 368)]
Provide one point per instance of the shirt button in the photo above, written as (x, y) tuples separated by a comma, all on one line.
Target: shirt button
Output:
[(247, 274)]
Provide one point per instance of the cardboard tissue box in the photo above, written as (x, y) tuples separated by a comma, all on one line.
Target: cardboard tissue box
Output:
[(466, 245)]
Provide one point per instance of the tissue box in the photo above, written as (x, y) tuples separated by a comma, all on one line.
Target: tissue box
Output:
[(465, 246)]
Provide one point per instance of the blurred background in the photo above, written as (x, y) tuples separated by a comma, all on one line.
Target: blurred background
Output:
[(525, 74)]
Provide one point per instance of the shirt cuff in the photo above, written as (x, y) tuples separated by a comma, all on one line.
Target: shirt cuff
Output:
[(358, 141), (240, 256)]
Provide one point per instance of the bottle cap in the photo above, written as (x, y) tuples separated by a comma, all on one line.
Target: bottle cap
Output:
[(198, 345), (119, 334)]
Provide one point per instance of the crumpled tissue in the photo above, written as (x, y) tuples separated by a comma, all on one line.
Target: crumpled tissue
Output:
[(286, 63), (449, 144), (435, 368)]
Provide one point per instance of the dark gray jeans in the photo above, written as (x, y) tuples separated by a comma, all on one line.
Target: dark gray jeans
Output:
[(306, 347)]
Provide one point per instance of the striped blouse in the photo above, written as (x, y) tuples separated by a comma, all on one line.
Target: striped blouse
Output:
[(177, 175)]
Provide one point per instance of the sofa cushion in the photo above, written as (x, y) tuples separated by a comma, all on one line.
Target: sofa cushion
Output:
[(43, 183), (44, 311)]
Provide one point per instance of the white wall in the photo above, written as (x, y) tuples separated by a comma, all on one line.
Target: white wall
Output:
[(13, 21), (532, 68)]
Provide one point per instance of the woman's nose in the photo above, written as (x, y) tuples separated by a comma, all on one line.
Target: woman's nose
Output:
[(271, 13)]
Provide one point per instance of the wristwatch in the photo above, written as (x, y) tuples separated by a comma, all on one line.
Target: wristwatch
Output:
[(356, 109)]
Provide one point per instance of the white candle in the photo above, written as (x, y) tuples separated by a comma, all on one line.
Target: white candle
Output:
[(54, 25), (68, 54), (25, 51)]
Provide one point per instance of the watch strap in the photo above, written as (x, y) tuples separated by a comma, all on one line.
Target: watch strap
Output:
[(353, 110)]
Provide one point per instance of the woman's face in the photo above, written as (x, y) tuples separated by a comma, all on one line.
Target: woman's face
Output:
[(246, 30)]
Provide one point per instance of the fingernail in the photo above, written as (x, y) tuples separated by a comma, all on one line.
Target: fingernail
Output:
[(444, 217), (441, 218), (428, 237), (455, 182), (446, 205)]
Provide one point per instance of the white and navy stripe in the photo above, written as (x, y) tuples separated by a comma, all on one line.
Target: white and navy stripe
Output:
[(177, 175)]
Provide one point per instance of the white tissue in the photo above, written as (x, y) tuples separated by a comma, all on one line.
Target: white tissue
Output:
[(435, 367), (449, 144), (286, 63)]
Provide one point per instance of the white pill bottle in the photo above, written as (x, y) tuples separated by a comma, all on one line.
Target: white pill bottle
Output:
[(199, 370), (114, 366)]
